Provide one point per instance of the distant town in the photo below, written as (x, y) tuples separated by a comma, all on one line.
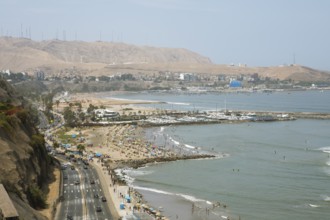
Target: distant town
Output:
[(162, 80)]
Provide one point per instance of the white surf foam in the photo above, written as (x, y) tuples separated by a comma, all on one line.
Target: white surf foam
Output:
[(189, 146), (313, 206), (208, 202), (122, 174), (139, 172), (178, 103), (174, 141), (135, 100), (152, 190), (191, 198), (187, 197), (326, 198), (325, 149)]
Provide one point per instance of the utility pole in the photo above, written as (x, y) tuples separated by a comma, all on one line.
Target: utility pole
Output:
[(294, 59)]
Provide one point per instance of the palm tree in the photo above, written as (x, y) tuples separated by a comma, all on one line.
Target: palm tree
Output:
[(57, 104), (81, 148), (56, 145)]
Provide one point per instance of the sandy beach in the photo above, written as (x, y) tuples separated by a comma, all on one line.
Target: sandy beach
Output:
[(116, 146), (123, 106)]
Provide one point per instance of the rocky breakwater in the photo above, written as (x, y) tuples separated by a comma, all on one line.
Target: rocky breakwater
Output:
[(142, 162), (25, 166)]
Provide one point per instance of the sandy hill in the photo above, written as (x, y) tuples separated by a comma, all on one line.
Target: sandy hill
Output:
[(24, 54), (107, 58)]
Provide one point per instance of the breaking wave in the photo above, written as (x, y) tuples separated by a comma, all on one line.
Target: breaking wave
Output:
[(178, 103)]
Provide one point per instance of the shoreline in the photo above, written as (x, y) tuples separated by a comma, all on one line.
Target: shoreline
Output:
[(125, 152), (117, 179), (123, 146)]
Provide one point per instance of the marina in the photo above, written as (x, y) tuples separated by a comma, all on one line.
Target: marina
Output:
[(279, 167)]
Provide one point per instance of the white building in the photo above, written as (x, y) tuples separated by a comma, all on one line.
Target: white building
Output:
[(105, 114)]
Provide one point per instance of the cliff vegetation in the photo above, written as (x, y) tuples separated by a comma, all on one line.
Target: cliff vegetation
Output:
[(25, 167)]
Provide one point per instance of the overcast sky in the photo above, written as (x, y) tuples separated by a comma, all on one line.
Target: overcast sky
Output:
[(252, 32)]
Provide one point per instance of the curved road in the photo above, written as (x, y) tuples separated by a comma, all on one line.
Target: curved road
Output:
[(82, 190)]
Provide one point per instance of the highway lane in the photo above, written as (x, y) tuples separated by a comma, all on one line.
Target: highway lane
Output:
[(72, 204), (80, 200), (94, 194)]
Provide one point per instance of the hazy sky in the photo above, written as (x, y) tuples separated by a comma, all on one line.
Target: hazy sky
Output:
[(252, 32)]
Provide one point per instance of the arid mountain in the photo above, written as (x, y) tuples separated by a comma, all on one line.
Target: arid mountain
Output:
[(21, 54), (107, 58)]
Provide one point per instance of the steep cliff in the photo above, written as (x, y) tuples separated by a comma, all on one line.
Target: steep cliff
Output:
[(24, 163)]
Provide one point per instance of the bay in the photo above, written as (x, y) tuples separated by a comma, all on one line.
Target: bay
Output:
[(277, 170)]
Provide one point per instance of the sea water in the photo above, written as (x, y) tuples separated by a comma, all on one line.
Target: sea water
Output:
[(295, 101), (275, 170)]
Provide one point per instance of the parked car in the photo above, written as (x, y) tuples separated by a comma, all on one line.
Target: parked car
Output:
[(92, 182), (77, 182), (104, 199), (98, 209), (96, 195)]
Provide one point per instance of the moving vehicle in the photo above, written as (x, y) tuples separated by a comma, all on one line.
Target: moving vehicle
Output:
[(98, 209)]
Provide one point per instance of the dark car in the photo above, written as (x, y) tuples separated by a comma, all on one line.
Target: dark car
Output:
[(96, 195), (77, 182), (92, 182), (72, 167), (69, 217), (104, 199), (65, 177), (98, 209)]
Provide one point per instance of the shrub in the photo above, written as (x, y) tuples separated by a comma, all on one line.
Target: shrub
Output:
[(36, 197)]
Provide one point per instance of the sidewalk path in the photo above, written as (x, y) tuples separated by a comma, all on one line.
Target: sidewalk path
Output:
[(112, 193)]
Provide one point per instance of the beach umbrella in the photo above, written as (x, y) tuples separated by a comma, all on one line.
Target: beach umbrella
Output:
[(128, 198), (122, 206)]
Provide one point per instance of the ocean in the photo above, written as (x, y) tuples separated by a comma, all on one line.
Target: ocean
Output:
[(273, 170)]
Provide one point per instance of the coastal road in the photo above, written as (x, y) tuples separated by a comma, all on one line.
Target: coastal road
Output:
[(94, 194), (83, 200), (72, 204)]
